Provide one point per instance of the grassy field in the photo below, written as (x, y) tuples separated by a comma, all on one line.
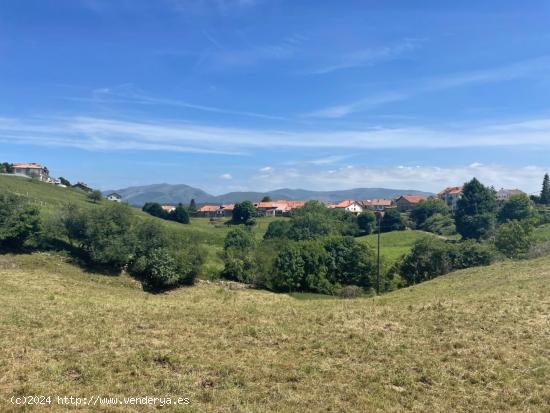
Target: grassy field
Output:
[(475, 340), (542, 233), (394, 244)]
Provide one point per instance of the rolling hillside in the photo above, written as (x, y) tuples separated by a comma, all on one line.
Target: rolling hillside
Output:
[(475, 340), (173, 194)]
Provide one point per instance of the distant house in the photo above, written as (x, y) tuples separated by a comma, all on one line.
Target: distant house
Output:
[(168, 208), (82, 186), (266, 209), (504, 195), (348, 205), (114, 197), (377, 204), (285, 207), (450, 196), (408, 202), (215, 211), (32, 170)]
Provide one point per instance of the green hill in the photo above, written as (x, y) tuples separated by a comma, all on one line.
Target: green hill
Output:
[(475, 340)]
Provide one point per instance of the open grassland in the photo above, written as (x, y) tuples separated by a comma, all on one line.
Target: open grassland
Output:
[(475, 340), (542, 233), (394, 244)]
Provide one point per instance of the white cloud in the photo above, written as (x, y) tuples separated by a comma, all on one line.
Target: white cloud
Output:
[(113, 134), (427, 178), (226, 176), (266, 169)]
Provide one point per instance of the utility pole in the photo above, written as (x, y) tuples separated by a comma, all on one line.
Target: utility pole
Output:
[(379, 215)]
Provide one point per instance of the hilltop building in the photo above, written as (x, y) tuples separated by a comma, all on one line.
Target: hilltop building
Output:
[(31, 170), (450, 196)]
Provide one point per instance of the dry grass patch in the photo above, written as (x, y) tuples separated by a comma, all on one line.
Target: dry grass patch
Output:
[(475, 340)]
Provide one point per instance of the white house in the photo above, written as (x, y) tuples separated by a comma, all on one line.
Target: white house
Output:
[(114, 197), (32, 170), (504, 195), (348, 205)]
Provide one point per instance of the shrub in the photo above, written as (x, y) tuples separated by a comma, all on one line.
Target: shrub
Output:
[(179, 214), (392, 221), (427, 209), (243, 213), (513, 239), (238, 255), (278, 229), (366, 221), (95, 196), (519, 208), (19, 221), (440, 224), (428, 258), (471, 253), (154, 209)]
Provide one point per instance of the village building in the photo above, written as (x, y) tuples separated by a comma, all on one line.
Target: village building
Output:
[(82, 186), (114, 197), (407, 202), (31, 170), (450, 196), (348, 205), (504, 195), (377, 204), (216, 211), (168, 208), (266, 209)]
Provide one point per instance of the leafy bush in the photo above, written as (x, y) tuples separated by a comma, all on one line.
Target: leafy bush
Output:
[(243, 213), (392, 221), (432, 257), (514, 238), (322, 265), (238, 255), (440, 224), (19, 221), (366, 222), (427, 209), (278, 229), (179, 214), (519, 208)]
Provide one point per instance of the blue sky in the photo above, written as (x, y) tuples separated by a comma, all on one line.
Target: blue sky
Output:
[(256, 95)]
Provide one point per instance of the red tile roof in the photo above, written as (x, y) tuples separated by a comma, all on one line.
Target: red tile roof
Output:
[(451, 190), (27, 166), (209, 208), (413, 199), (376, 202)]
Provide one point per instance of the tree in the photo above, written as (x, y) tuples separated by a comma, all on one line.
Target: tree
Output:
[(440, 224), (243, 213), (192, 206), (426, 209), (6, 168), (392, 221), (278, 229), (19, 221), (545, 193), (154, 209), (366, 221), (475, 215), (64, 181), (513, 238), (518, 207), (95, 196), (179, 215), (238, 255), (266, 198)]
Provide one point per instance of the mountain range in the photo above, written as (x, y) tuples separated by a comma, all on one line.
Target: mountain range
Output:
[(173, 194)]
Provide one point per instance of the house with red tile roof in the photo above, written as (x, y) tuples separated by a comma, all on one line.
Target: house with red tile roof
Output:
[(408, 202), (377, 204), (348, 205), (32, 170), (450, 196)]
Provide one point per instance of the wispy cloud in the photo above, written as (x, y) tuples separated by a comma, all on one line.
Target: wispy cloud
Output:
[(428, 178), (94, 133), (538, 67), (227, 177), (369, 57), (128, 94)]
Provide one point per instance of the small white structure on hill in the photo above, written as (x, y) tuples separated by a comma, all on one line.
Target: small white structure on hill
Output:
[(32, 170), (114, 197)]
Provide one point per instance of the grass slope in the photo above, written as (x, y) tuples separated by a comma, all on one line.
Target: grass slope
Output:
[(395, 244), (475, 340)]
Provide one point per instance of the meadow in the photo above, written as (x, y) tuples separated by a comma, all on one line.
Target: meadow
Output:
[(474, 340)]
